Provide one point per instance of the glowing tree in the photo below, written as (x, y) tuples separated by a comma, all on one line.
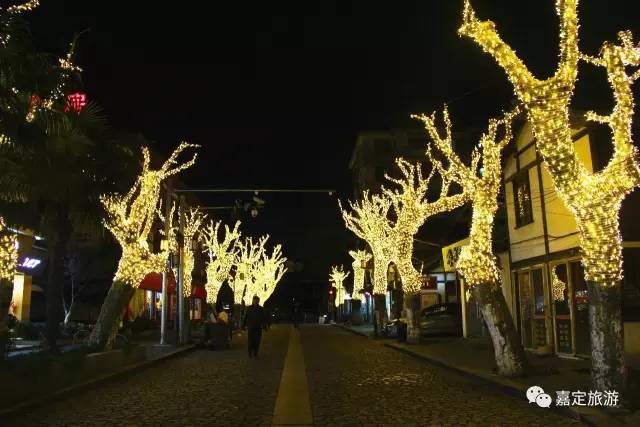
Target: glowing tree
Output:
[(193, 220), (170, 232), (337, 277), (249, 254), (129, 219), (360, 258), (268, 272), (8, 261), (412, 209), (369, 221), (477, 262), (594, 198), (222, 254)]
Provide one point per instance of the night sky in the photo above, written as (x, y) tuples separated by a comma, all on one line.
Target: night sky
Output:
[(276, 92)]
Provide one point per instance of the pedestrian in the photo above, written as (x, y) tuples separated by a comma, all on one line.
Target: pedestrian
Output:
[(296, 314), (255, 322)]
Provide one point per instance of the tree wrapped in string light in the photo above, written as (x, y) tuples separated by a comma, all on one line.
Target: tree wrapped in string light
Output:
[(129, 219), (222, 254), (412, 209), (193, 220), (268, 272), (337, 277), (594, 198), (249, 254), (360, 260), (370, 222), (8, 263), (477, 262)]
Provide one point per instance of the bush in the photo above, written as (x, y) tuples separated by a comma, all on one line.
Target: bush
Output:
[(27, 330)]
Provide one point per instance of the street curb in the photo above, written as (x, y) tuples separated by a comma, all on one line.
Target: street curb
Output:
[(504, 385), (94, 382)]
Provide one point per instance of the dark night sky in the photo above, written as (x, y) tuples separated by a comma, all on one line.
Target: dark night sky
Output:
[(277, 91)]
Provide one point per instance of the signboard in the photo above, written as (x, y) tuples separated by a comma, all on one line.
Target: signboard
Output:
[(429, 282), (451, 253)]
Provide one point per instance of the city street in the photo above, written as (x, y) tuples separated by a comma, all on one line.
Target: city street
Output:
[(352, 380)]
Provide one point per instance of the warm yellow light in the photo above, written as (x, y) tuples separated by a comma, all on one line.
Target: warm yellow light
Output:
[(8, 252), (593, 198), (193, 220), (360, 259), (130, 216), (337, 277), (249, 254), (222, 254), (268, 272), (476, 262)]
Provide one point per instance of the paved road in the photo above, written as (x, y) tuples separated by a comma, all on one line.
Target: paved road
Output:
[(352, 381)]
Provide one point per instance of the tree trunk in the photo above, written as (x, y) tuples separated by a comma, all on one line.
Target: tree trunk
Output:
[(104, 332), (57, 249), (6, 294), (608, 369), (356, 316), (509, 353), (380, 317), (412, 304)]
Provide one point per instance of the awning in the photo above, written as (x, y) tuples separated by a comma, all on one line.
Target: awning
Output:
[(153, 282), (198, 291)]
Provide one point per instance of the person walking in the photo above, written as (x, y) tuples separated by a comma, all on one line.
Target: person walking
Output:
[(255, 322)]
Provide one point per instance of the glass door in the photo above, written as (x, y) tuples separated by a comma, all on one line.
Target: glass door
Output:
[(562, 308), (581, 308), (540, 308), (526, 308)]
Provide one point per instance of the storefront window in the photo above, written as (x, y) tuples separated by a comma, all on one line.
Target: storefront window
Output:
[(581, 304)]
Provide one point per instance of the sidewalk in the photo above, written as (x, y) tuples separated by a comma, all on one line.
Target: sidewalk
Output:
[(474, 358)]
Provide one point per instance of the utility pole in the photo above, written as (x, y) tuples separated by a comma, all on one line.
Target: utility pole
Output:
[(165, 277)]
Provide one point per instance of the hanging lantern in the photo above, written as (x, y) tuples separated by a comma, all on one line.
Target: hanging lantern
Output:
[(76, 102)]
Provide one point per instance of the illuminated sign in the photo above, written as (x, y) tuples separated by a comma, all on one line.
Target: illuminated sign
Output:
[(30, 263)]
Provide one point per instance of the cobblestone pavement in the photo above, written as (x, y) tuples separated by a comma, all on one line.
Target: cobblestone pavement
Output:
[(202, 388), (355, 381)]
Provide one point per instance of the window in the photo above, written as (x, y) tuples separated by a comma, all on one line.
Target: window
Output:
[(522, 200)]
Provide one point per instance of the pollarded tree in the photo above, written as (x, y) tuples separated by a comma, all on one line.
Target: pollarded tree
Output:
[(412, 210), (594, 198), (477, 262), (222, 254), (249, 254), (268, 273), (337, 277), (370, 222), (129, 219), (360, 258), (193, 220)]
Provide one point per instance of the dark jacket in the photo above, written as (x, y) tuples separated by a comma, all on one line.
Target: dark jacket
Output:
[(254, 318)]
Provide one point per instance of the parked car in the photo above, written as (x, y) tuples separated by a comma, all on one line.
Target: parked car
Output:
[(441, 320)]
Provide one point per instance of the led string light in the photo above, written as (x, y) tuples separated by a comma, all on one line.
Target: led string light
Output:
[(412, 210), (337, 277), (193, 220), (8, 252), (24, 7), (369, 221), (594, 198), (360, 258), (222, 255), (268, 272), (130, 216), (476, 262), (249, 254)]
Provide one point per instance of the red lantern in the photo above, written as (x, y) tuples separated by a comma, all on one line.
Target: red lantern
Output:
[(76, 102)]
